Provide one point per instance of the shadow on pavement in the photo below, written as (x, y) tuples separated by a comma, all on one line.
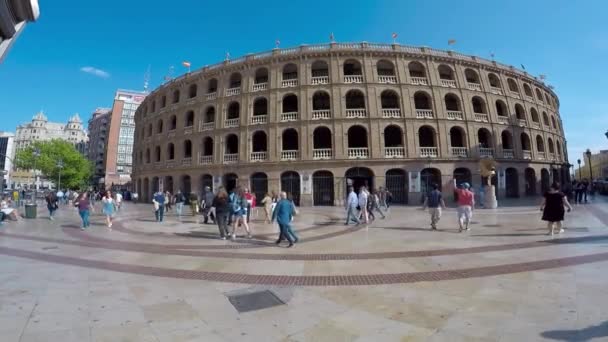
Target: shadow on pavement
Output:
[(586, 334)]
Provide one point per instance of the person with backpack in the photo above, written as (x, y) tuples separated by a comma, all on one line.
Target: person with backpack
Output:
[(239, 212)]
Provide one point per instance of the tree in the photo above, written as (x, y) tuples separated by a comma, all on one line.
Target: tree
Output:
[(76, 170)]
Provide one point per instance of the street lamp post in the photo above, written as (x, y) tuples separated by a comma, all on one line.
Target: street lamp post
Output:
[(588, 154), (36, 155), (59, 166), (580, 176)]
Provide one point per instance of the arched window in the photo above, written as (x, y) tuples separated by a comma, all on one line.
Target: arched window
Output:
[(357, 137), (528, 90), (261, 76), (513, 85), (189, 122), (163, 101), (484, 138), (426, 137), (422, 100), (534, 115), (209, 115), (176, 96), (234, 110), (355, 99), (501, 108), (260, 106), (471, 76), (553, 124), (207, 146), (547, 100), (259, 142), (416, 69), (558, 148), (159, 126), (212, 86), (235, 80), (393, 136), (148, 156), (457, 137), (550, 145), (290, 141), (187, 149), (385, 68), (149, 129), (452, 103), (352, 67), (525, 142), (321, 101), (479, 105), (494, 81), (322, 138), (153, 106), (290, 72), (540, 145), (446, 72), (157, 153), (290, 103), (539, 96), (232, 144), (319, 69), (507, 140), (520, 112), (192, 90), (545, 119), (389, 100)]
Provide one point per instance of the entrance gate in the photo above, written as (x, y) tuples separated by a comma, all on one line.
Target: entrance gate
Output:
[(323, 188), (290, 183), (396, 184)]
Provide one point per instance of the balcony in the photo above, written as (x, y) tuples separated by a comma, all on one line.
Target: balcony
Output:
[(527, 154), (541, 155), (158, 165), (322, 153), (480, 117), (503, 120), (515, 94), (187, 161), (394, 152), (431, 152), (455, 115), (211, 96), (424, 113), (206, 126), (521, 122), (259, 119), (535, 124), (460, 152), (321, 114), (231, 123), (419, 81), (170, 164), (387, 79), (320, 80), (233, 91), (258, 156), (391, 113), (486, 152), (474, 86), (289, 83), (551, 156), (231, 158), (353, 79), (259, 86), (291, 116), (290, 155), (356, 113), (204, 160), (529, 98), (358, 153), (447, 83), (188, 130), (171, 133), (495, 90), (508, 153)]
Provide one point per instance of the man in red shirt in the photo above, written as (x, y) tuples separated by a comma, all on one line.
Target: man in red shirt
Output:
[(466, 203)]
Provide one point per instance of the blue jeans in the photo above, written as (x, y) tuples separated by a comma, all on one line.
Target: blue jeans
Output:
[(179, 207), (84, 215), (160, 213)]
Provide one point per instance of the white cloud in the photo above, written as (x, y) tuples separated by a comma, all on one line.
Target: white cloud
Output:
[(94, 71)]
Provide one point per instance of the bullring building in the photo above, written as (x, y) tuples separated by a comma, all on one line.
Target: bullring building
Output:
[(312, 119)]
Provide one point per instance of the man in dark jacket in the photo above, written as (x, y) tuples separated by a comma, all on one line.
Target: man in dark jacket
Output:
[(207, 203)]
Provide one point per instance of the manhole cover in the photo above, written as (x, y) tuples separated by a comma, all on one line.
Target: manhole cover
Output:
[(255, 301)]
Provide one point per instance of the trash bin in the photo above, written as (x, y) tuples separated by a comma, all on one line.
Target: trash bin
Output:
[(31, 210)]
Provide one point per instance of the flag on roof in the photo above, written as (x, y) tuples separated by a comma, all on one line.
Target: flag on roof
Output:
[(394, 35), (451, 41), (277, 43), (186, 64), (331, 37)]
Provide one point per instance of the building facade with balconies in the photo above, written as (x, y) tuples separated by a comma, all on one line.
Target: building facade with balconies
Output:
[(312, 119)]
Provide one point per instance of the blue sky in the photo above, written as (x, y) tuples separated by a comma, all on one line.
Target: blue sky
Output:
[(566, 40)]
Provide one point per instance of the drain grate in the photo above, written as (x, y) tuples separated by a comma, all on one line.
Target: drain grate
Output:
[(255, 301)]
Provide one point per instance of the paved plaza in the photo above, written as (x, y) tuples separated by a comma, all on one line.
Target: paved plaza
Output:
[(393, 280)]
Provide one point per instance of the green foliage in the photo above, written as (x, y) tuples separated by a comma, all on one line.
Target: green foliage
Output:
[(76, 170)]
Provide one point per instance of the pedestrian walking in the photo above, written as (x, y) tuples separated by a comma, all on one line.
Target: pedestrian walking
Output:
[(267, 202), (207, 205), (239, 213), (118, 198), (250, 202), (363, 198), (168, 201), (552, 207), (159, 206), (179, 202), (466, 203), (60, 195), (351, 207), (283, 214), (193, 203), (434, 201), (109, 207), (83, 204), (373, 205), (222, 210), (51, 204)]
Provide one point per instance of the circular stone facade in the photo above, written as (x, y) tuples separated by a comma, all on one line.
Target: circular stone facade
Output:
[(312, 119)]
